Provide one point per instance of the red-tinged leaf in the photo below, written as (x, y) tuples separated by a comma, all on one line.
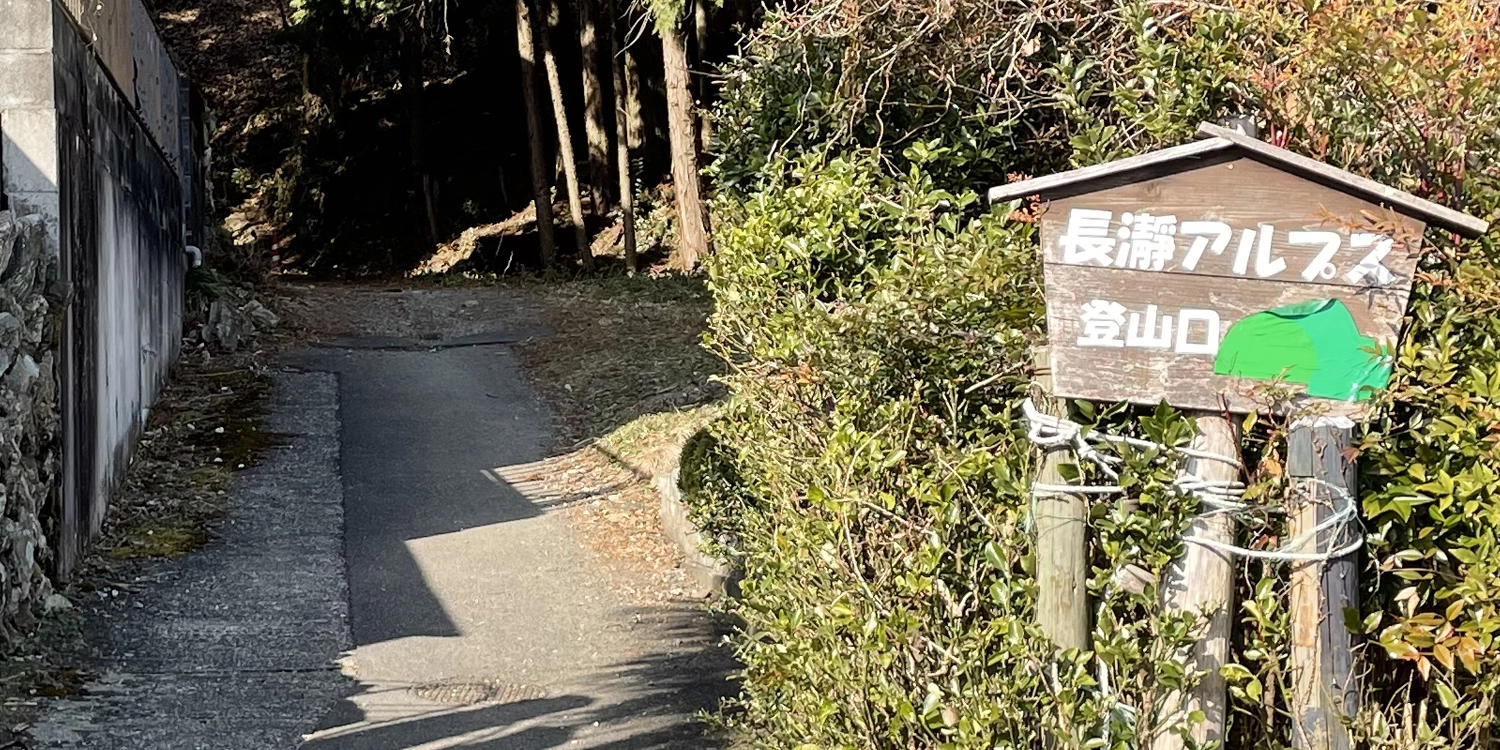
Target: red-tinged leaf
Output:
[(1469, 660)]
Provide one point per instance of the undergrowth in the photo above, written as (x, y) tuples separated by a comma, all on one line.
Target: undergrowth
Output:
[(872, 472)]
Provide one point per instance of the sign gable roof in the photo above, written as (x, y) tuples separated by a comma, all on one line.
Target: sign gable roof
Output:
[(1217, 143)]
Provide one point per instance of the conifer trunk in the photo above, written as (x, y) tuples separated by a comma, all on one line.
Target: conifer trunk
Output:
[(597, 167), (633, 111), (700, 36), (623, 139), (692, 231), (541, 181), (416, 120), (564, 143)]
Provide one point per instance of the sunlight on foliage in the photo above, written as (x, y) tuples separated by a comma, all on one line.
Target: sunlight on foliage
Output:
[(871, 469)]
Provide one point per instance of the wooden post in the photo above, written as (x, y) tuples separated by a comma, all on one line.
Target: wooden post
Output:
[(1324, 688), (1202, 582), (1061, 525)]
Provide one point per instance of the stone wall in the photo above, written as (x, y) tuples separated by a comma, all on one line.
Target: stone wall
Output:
[(30, 427)]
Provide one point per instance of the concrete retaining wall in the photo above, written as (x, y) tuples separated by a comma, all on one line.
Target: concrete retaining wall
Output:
[(101, 145), (121, 241)]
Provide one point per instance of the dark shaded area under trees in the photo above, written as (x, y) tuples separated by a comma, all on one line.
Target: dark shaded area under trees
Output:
[(382, 130)]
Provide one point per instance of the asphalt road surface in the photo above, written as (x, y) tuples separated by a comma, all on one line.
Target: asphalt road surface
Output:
[(392, 576)]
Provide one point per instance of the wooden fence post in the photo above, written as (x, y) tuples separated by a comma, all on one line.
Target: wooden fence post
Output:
[(1202, 582), (1324, 687), (1061, 532)]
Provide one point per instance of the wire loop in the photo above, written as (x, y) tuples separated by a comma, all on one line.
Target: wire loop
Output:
[(1215, 497)]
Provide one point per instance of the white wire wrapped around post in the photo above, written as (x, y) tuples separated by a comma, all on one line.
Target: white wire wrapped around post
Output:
[(1218, 497), (1210, 474)]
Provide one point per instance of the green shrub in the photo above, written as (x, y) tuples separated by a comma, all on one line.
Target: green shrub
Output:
[(879, 331), (202, 286), (878, 322), (710, 489)]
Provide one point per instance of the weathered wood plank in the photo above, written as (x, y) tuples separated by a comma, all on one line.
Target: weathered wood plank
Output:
[(1324, 685), (1432, 213), (1222, 216), (1181, 369), (1215, 142), (1146, 161), (1202, 582)]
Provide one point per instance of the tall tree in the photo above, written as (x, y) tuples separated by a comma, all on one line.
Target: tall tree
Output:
[(634, 112), (596, 168), (682, 132), (541, 177), (700, 38), (564, 140), (623, 137), (412, 84)]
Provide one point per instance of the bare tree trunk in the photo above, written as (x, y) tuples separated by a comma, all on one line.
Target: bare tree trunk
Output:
[(565, 145), (416, 118), (623, 138), (700, 35), (633, 110), (692, 230), (597, 137), (306, 76), (541, 179)]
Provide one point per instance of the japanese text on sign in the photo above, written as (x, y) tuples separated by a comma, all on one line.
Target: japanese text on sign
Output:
[(1109, 324), (1144, 242)]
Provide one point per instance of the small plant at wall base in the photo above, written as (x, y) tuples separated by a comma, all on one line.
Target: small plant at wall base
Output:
[(202, 287), (877, 322)]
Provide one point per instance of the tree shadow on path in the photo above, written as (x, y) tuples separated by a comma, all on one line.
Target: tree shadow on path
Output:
[(652, 701)]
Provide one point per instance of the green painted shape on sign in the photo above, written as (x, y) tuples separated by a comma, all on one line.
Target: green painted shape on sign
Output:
[(1314, 343)]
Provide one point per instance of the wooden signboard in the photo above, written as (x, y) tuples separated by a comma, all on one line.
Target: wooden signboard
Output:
[(1226, 271)]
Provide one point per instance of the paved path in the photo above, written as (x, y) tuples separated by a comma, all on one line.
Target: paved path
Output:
[(474, 618), (236, 645)]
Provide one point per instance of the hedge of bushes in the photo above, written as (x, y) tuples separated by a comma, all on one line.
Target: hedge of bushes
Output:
[(871, 469)]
